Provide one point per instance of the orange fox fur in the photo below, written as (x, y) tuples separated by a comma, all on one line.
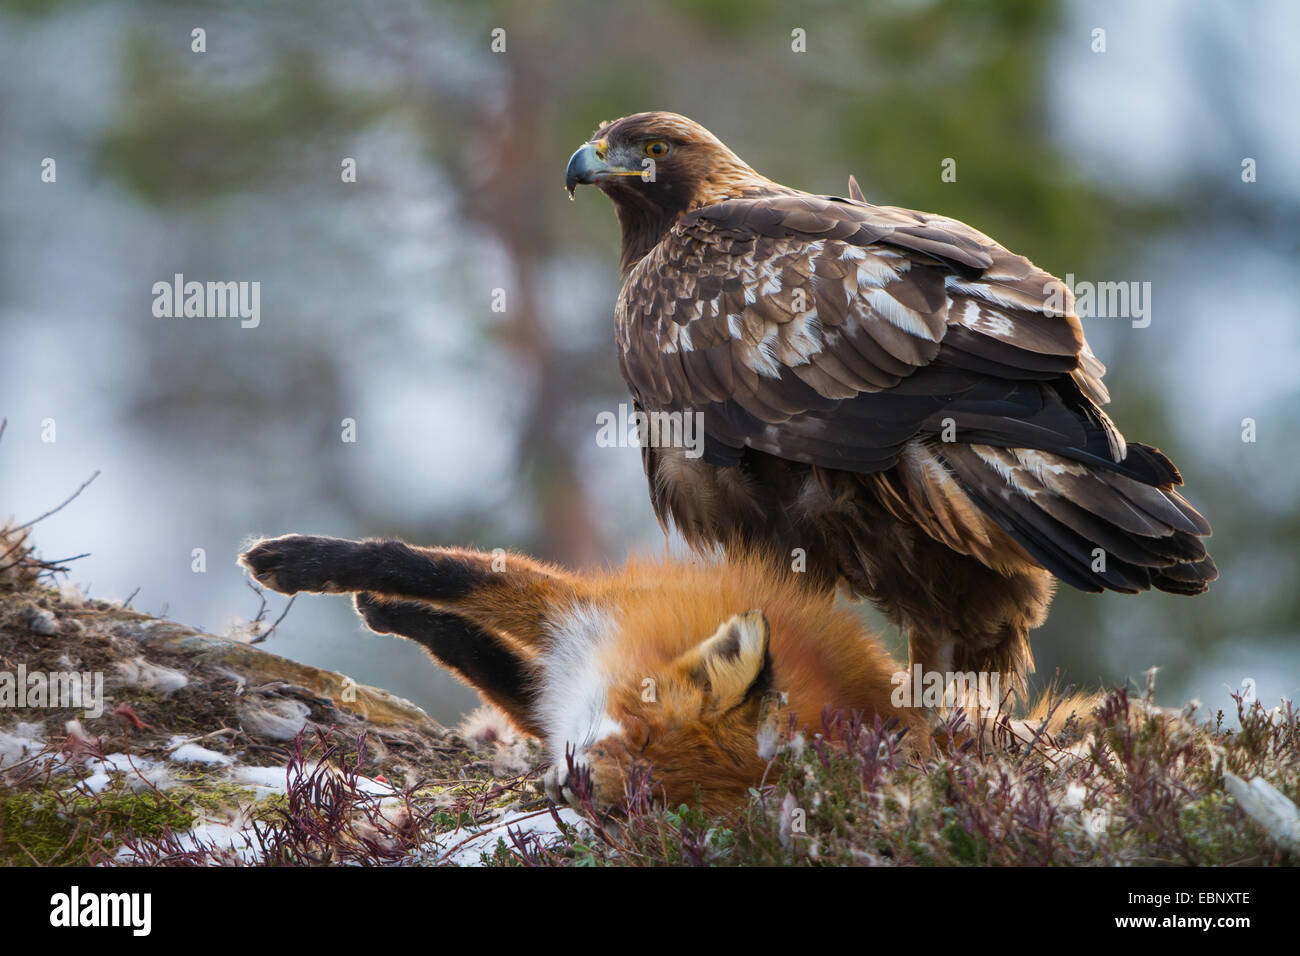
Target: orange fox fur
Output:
[(662, 665)]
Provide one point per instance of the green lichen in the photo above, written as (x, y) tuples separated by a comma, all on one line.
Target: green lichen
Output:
[(61, 828)]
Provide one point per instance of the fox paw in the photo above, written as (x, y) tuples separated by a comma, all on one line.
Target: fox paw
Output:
[(559, 788), (383, 617), (298, 562)]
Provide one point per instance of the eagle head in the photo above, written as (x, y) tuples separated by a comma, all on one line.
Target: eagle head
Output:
[(656, 166)]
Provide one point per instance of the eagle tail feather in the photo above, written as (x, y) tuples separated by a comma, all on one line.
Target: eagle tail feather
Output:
[(1092, 525)]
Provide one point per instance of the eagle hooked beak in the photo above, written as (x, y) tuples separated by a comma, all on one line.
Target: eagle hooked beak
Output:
[(588, 165)]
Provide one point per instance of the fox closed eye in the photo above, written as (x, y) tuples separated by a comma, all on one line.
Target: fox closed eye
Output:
[(636, 730)]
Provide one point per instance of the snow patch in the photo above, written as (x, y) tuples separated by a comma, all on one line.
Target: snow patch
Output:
[(185, 752), (543, 825)]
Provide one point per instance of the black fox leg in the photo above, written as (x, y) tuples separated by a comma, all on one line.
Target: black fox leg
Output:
[(499, 592), (490, 663), (299, 562)]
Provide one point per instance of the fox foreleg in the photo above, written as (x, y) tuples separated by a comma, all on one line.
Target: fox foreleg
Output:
[(503, 672), (500, 592)]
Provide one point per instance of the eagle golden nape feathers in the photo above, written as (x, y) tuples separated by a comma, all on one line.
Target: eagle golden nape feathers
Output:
[(891, 391)]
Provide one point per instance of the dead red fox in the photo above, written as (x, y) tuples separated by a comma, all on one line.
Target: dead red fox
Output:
[(661, 665)]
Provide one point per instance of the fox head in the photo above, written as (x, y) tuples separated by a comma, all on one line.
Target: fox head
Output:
[(694, 720)]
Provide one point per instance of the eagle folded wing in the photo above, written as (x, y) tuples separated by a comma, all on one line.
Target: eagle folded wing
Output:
[(831, 331)]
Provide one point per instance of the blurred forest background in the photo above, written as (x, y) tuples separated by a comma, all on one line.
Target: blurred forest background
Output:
[(478, 427)]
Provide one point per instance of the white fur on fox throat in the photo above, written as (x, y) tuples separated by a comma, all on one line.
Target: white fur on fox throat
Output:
[(575, 681)]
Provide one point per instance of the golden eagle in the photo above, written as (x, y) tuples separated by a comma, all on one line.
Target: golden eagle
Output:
[(888, 395)]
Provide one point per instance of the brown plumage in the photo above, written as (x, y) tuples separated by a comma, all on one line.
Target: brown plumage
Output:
[(888, 395)]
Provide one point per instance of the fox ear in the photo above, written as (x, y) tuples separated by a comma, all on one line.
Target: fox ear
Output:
[(734, 663)]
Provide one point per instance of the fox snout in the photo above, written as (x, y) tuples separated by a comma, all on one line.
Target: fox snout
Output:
[(601, 776)]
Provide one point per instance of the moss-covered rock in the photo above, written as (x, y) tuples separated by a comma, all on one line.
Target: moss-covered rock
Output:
[(200, 740)]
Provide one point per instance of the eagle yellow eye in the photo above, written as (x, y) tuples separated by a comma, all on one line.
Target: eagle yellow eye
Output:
[(656, 149)]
